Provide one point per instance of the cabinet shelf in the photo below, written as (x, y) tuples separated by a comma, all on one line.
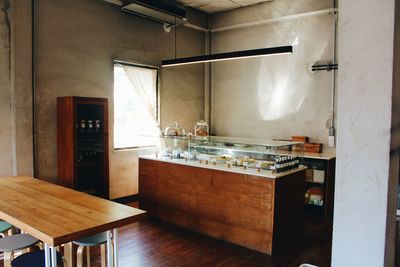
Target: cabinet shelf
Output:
[(89, 164), (315, 183), (326, 187), (91, 149)]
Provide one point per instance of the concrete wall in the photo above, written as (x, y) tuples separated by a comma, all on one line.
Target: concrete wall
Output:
[(278, 96), (6, 140), (16, 141), (21, 83), (76, 43), (363, 215)]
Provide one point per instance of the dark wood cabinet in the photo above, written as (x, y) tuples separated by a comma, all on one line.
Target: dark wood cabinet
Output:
[(320, 177), (82, 142)]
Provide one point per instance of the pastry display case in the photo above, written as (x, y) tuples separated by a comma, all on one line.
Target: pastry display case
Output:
[(263, 157)]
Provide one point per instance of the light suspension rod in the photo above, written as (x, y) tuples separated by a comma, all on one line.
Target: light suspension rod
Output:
[(228, 56)]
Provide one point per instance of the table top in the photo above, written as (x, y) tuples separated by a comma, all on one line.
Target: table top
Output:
[(57, 215)]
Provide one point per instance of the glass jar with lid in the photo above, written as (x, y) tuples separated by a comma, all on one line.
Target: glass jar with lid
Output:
[(201, 128), (174, 130)]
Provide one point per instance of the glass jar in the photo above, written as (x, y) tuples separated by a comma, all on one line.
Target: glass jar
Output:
[(174, 130), (201, 128)]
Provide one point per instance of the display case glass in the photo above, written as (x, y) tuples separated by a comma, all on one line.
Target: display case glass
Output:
[(234, 154)]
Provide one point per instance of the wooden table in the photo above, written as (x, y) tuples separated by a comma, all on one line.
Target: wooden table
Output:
[(57, 215)]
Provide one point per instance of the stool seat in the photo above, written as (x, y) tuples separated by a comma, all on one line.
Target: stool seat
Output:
[(33, 259), (4, 226), (92, 241), (17, 242)]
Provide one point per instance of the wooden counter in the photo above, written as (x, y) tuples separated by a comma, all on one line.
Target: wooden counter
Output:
[(256, 212)]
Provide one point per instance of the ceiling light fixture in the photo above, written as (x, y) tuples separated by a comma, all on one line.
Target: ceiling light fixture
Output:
[(228, 56)]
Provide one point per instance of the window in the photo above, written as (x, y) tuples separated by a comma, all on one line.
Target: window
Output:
[(135, 105)]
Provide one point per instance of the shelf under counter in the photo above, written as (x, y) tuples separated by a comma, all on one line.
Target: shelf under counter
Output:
[(222, 167)]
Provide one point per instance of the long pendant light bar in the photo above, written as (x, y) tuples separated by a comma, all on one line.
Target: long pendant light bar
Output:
[(228, 56)]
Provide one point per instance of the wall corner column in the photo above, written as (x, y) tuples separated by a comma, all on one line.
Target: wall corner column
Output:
[(366, 162), (21, 86)]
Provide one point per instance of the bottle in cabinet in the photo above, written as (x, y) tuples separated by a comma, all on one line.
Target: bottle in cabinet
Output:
[(82, 141)]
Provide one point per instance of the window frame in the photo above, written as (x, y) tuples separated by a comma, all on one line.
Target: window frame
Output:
[(138, 65)]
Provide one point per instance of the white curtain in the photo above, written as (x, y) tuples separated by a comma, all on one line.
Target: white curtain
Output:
[(144, 82), (135, 106)]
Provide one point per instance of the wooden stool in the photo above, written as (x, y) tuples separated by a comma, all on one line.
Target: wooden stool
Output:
[(5, 228), (91, 241), (10, 244), (35, 259)]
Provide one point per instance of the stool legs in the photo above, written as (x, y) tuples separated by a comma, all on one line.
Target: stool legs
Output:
[(88, 256), (68, 253), (8, 256), (79, 256), (53, 256), (115, 244), (8, 233), (65, 262), (103, 255), (110, 261)]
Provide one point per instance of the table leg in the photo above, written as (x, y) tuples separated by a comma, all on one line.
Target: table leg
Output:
[(53, 256), (109, 250), (47, 255), (115, 243)]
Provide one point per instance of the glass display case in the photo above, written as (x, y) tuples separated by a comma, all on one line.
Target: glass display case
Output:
[(226, 153)]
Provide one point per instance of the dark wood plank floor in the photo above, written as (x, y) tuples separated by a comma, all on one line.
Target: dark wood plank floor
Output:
[(154, 243)]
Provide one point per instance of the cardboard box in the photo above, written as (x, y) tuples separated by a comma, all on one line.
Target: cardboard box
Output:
[(309, 175), (303, 139), (318, 176), (313, 147)]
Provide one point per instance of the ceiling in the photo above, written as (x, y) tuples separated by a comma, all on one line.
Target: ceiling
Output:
[(214, 6)]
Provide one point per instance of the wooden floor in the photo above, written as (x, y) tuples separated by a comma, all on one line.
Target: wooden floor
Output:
[(154, 243)]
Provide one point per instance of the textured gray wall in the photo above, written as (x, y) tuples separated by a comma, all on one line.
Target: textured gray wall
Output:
[(21, 83), (277, 96), (365, 177), (6, 149), (76, 43)]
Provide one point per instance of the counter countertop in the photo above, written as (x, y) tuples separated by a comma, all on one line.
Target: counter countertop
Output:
[(327, 155), (264, 173)]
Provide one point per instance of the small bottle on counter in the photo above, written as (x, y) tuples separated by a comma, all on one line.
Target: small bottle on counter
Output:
[(258, 166), (277, 165), (245, 165)]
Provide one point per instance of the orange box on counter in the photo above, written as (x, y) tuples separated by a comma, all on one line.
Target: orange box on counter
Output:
[(303, 139), (313, 147)]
